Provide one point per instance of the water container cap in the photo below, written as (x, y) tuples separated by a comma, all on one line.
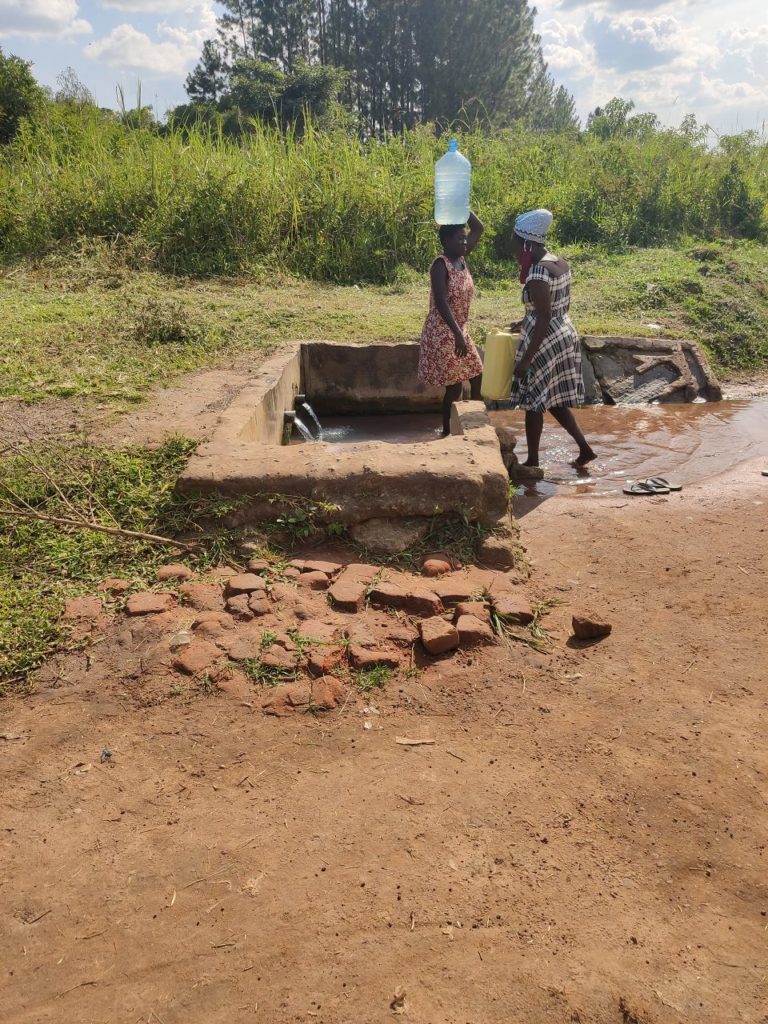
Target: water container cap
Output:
[(453, 146)]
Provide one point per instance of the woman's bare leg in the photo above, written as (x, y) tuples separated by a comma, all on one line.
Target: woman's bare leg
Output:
[(452, 394), (534, 424), (474, 387), (567, 421)]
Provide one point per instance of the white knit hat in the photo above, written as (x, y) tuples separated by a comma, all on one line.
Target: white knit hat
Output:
[(534, 225)]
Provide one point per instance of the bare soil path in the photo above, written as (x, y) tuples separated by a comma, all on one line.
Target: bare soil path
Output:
[(584, 842)]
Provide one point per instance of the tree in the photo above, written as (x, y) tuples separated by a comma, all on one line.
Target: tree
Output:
[(20, 95), (208, 80), (613, 121), (72, 91)]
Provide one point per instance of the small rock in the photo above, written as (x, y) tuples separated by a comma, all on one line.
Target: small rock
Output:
[(212, 624), (327, 693), (456, 589), (258, 602), (588, 626), (241, 650), (278, 657), (513, 609), (177, 571), (507, 438), (415, 602), (362, 658), (404, 636), (258, 565), (435, 567), (329, 568), (234, 684), (438, 636), (297, 563), (148, 604), (244, 583), (114, 585), (313, 580), (179, 640), (361, 571), (498, 551), (83, 608), (284, 700), (389, 536), (239, 607), (479, 609), (196, 658), (292, 573), (324, 661), (348, 595), (473, 631), (203, 597)]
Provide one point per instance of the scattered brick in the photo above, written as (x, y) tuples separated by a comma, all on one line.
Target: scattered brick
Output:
[(313, 580), (244, 583), (148, 604), (196, 658), (177, 571), (83, 608), (203, 597), (588, 626), (473, 631), (362, 658), (438, 636)]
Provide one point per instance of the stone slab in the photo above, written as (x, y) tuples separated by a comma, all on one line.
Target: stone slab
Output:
[(642, 370)]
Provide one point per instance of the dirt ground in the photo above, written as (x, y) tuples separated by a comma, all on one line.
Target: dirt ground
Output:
[(585, 841)]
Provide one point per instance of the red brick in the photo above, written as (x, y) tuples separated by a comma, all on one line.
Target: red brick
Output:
[(244, 583), (327, 693), (324, 660), (196, 658), (114, 585), (349, 594), (239, 606), (513, 608), (313, 580), (329, 568), (83, 608), (203, 597), (415, 602), (588, 626), (176, 571), (148, 604), (438, 636), (362, 658), (479, 609), (473, 631)]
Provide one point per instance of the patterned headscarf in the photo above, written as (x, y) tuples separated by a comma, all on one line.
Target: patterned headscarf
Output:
[(534, 225)]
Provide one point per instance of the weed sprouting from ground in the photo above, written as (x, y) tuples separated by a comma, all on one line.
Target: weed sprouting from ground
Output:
[(375, 678), (163, 322)]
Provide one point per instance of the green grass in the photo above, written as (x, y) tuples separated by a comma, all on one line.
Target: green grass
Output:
[(375, 678), (43, 564), (71, 332)]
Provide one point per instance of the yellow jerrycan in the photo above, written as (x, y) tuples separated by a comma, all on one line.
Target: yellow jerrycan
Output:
[(498, 365)]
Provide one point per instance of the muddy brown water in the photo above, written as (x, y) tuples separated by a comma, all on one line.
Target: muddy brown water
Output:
[(684, 443)]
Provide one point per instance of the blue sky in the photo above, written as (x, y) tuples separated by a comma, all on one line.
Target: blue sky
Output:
[(690, 56)]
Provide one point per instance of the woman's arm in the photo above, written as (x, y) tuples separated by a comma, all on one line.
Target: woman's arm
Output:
[(476, 228), (439, 275), (542, 302)]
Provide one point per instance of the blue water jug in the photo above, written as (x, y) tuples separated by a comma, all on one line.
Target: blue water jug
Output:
[(452, 179)]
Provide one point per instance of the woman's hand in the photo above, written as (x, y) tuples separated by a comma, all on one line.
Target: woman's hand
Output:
[(516, 325), (522, 370), (461, 343)]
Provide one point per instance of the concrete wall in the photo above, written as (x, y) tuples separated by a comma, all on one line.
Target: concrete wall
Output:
[(377, 378), (256, 414)]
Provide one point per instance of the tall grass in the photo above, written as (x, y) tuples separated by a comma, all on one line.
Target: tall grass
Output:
[(332, 207)]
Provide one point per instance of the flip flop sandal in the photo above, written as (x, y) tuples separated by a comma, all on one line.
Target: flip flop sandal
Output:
[(765, 472), (645, 487), (659, 481)]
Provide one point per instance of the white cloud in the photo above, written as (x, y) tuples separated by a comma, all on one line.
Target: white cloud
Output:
[(566, 51), (146, 6), (633, 43), (126, 47), (35, 19)]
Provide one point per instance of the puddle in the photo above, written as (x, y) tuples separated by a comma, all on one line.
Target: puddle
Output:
[(684, 443)]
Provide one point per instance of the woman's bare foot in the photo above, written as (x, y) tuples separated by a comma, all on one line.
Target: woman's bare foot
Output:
[(586, 455)]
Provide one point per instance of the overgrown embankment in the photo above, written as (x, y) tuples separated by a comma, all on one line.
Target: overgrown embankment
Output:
[(331, 206)]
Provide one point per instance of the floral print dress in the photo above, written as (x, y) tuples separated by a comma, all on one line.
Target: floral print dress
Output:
[(439, 366)]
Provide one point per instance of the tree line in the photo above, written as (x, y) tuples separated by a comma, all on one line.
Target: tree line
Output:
[(384, 65)]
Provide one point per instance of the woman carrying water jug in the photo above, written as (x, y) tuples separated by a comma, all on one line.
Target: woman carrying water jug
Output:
[(447, 355), (548, 366)]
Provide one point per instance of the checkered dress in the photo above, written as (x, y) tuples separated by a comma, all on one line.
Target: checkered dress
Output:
[(556, 381)]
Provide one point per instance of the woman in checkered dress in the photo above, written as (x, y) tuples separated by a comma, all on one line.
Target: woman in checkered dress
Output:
[(548, 368)]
